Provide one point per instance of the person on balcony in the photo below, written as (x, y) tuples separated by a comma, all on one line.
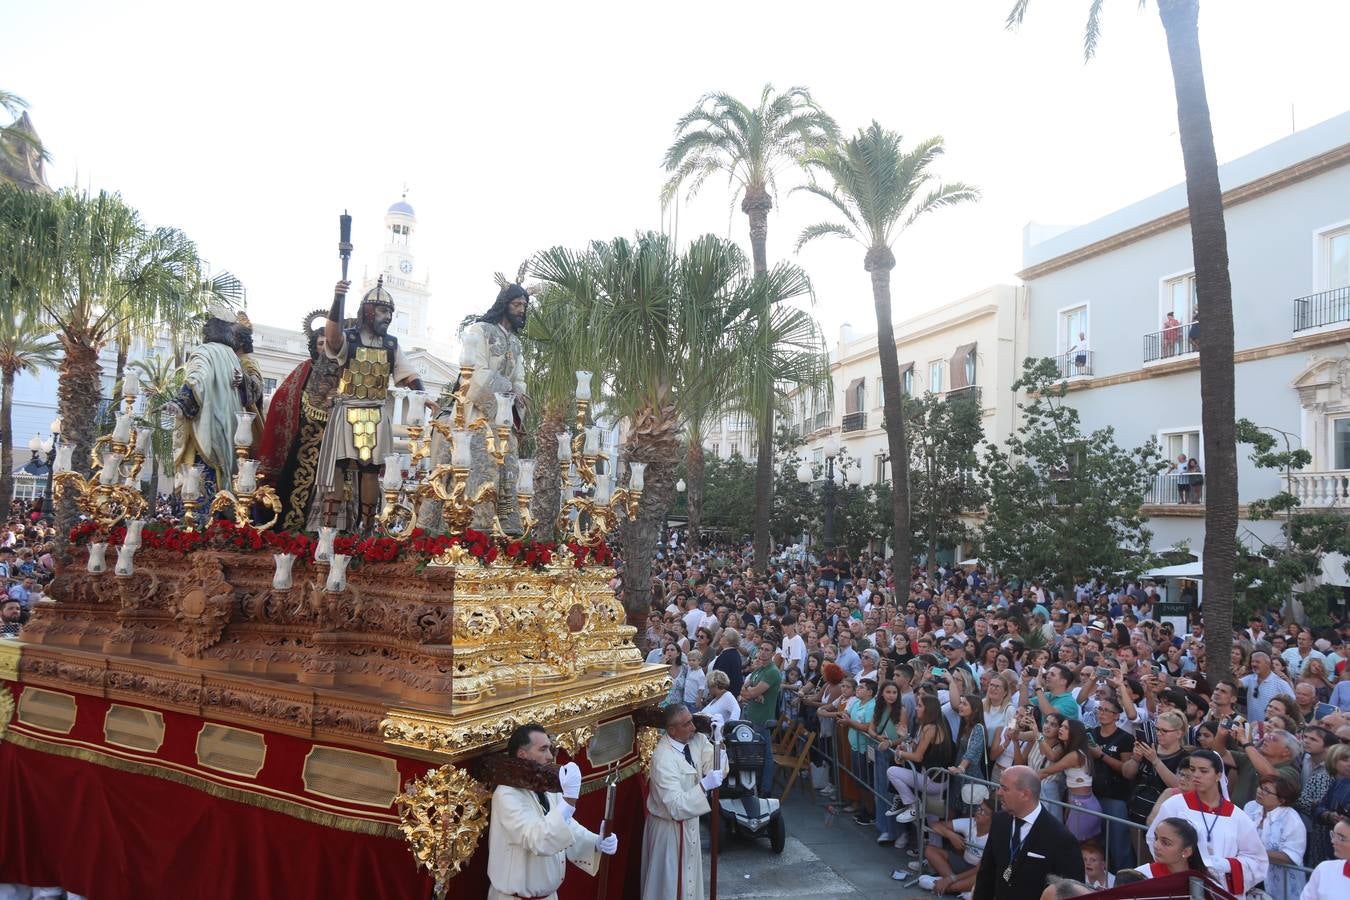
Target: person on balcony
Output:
[(1171, 343), (1195, 480), (1183, 483)]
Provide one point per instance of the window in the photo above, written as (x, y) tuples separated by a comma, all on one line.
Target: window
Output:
[(402, 322), (881, 468), (1176, 443), (935, 376), (970, 368), (1340, 443), (717, 450), (907, 381), (881, 393), (1335, 255), (1073, 329), (269, 385), (859, 397), (1179, 299)]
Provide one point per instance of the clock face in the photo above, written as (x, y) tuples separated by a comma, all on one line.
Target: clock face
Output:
[(405, 267)]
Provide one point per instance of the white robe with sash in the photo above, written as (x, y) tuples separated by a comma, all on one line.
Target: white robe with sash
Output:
[(528, 849), (1229, 843), (672, 860)]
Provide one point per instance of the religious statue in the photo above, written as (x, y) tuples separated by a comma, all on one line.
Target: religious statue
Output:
[(357, 435), (289, 450), (208, 402), (491, 346), (251, 387)]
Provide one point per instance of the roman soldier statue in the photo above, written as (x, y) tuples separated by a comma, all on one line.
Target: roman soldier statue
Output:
[(357, 436)]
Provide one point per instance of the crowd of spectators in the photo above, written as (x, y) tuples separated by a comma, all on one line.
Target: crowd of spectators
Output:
[(27, 564), (932, 689)]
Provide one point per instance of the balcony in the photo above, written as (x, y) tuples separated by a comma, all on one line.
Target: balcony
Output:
[(969, 392), (855, 421), (1321, 490), (1074, 364), (1320, 310), (1176, 489), (1170, 343), (822, 420)]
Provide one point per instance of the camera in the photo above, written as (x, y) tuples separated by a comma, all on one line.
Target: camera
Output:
[(1032, 671)]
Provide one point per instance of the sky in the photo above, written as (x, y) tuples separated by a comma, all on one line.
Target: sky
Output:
[(525, 125)]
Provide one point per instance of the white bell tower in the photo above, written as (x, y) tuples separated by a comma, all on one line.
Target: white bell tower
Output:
[(402, 279)]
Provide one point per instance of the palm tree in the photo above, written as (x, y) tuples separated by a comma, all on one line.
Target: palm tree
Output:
[(87, 264), (1209, 251), (161, 379), (24, 346), (751, 146), (662, 325), (880, 190)]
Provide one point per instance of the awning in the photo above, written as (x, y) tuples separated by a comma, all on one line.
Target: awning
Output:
[(959, 379), (1185, 570)]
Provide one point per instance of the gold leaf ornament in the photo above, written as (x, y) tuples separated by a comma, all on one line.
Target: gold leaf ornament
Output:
[(443, 815)]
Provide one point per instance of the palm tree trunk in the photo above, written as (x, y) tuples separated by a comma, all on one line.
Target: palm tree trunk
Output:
[(123, 344), (638, 538), (547, 477), (1209, 249), (879, 262), (78, 395), (756, 206), (694, 463), (6, 443)]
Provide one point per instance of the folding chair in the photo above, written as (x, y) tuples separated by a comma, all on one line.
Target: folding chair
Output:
[(795, 762)]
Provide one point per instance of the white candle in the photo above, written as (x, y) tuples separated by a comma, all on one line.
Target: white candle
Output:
[(131, 383), (243, 435), (460, 455), (604, 488), (505, 403), (64, 455), (393, 473), (337, 573), (122, 430), (525, 478), (125, 561), (417, 407), (637, 473), (324, 552), (112, 462), (133, 538), (143, 439), (192, 482), (564, 447), (583, 384), (592, 445), (248, 476)]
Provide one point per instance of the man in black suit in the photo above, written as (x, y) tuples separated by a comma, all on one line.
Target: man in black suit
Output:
[(1026, 843)]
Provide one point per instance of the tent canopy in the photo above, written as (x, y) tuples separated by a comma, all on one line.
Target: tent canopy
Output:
[(1185, 570)]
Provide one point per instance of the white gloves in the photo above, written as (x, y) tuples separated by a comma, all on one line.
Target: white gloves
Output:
[(712, 781), (608, 845), (569, 776)]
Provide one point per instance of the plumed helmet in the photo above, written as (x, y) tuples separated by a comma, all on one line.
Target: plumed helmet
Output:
[(378, 296)]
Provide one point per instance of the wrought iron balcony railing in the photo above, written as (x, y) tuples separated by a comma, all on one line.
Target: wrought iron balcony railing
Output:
[(1074, 363), (855, 421), (1168, 343), (1326, 308)]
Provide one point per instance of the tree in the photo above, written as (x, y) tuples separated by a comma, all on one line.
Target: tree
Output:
[(1214, 291), (944, 478), (663, 324), (161, 379), (1064, 506), (880, 190), (24, 346), (751, 146), (87, 264), (731, 495), (1267, 581), (795, 508)]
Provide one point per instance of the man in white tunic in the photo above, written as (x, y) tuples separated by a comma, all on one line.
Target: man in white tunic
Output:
[(682, 772), (532, 835), (1229, 843)]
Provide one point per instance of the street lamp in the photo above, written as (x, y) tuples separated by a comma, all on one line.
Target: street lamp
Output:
[(680, 486), (806, 475), (49, 447)]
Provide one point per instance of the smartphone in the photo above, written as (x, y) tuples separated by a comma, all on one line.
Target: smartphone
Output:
[(1188, 683), (1032, 671), (1103, 672)]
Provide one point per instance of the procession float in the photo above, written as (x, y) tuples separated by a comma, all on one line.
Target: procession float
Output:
[(279, 699)]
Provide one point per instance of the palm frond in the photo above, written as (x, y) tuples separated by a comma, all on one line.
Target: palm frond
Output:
[(823, 229)]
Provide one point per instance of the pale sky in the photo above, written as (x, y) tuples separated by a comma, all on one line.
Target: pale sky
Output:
[(253, 125)]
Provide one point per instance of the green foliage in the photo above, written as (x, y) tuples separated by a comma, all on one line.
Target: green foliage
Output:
[(729, 498), (1268, 580), (944, 468), (1064, 506)]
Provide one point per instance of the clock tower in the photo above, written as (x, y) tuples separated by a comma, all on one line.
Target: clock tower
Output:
[(402, 279)]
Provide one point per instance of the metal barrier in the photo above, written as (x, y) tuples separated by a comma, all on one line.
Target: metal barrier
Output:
[(882, 802)]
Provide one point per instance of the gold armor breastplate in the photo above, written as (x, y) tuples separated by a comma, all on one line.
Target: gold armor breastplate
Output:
[(367, 374)]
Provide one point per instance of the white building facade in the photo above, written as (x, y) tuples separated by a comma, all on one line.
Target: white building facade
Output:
[(1114, 302)]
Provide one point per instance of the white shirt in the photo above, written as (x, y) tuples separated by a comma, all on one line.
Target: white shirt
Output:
[(794, 650), (724, 706), (692, 620), (974, 840), (1327, 882), (695, 683)]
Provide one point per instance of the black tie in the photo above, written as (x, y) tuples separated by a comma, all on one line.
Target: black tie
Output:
[(1016, 839), (543, 799), (689, 756)]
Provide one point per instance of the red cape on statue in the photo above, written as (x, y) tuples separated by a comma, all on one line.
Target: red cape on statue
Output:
[(282, 426)]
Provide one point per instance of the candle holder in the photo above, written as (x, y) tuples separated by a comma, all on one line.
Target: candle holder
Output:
[(245, 492), (107, 496)]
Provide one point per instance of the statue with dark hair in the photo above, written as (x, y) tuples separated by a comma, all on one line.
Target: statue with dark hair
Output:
[(491, 345), (208, 402)]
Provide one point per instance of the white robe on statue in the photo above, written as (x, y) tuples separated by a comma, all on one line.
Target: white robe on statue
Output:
[(528, 850), (1229, 843), (672, 860), (211, 370)]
